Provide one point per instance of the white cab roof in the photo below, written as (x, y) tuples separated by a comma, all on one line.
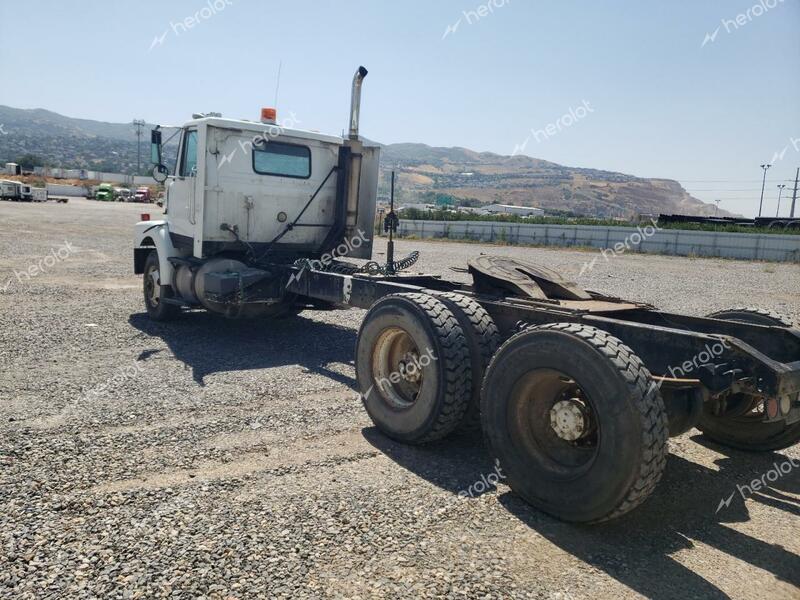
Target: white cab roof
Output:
[(266, 128)]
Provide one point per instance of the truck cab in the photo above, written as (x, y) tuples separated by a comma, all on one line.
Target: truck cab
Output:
[(105, 192), (250, 196), (142, 194)]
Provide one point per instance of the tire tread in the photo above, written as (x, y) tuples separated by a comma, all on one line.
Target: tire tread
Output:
[(486, 337), (648, 401), (455, 361)]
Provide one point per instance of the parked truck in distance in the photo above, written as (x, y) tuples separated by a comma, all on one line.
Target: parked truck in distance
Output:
[(22, 192), (38, 194), (105, 192), (10, 190), (142, 194)]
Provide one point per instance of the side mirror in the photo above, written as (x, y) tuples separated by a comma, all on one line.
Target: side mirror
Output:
[(155, 146), (160, 173)]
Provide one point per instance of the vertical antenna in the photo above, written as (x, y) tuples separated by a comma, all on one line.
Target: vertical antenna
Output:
[(390, 245), (278, 83)]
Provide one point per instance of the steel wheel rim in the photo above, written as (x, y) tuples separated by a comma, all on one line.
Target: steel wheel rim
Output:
[(152, 286), (541, 402), (396, 369)]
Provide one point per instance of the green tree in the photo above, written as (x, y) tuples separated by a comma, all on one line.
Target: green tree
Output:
[(29, 161)]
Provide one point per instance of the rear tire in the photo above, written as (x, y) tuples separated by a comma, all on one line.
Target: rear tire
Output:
[(483, 340), (155, 292), (742, 428), (412, 365), (576, 424), (754, 316)]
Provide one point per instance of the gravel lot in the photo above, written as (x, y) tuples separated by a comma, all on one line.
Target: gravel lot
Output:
[(226, 459)]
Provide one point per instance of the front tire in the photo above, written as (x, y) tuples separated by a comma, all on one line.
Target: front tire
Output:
[(577, 427), (155, 292)]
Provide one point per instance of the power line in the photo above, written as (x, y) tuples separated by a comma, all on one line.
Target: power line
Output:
[(727, 180)]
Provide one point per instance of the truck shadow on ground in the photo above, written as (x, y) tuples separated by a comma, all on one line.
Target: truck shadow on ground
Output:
[(637, 549), (209, 343)]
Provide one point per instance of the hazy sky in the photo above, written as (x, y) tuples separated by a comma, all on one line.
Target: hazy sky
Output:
[(656, 101)]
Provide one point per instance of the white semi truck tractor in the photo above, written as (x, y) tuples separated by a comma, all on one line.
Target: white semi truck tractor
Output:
[(250, 194), (576, 392)]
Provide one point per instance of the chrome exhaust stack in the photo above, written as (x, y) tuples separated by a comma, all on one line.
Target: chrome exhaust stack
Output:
[(355, 101), (356, 147)]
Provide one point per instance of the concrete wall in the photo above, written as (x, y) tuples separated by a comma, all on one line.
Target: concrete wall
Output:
[(119, 178), (58, 189), (748, 246)]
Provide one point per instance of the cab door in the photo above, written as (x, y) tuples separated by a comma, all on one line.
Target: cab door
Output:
[(182, 190)]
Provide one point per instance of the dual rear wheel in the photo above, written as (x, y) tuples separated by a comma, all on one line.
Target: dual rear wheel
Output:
[(568, 410)]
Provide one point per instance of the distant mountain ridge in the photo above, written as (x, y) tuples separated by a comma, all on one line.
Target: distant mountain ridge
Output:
[(39, 120), (523, 180), (480, 177)]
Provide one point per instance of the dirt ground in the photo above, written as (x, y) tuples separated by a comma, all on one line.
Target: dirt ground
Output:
[(228, 459)]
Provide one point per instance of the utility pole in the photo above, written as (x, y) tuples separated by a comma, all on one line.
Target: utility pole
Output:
[(794, 195), (780, 191), (763, 181), (716, 208), (139, 123)]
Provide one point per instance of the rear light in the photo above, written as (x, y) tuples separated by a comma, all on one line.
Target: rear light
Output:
[(145, 216), (772, 408)]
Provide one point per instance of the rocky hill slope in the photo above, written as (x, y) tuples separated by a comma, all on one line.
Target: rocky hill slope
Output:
[(425, 172)]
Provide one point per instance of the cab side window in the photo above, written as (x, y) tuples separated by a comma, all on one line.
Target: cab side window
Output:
[(189, 156), (282, 160)]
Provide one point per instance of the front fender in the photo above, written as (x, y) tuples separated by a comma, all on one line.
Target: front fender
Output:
[(153, 234)]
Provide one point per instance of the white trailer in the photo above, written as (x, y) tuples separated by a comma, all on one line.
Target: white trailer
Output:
[(12, 168), (40, 195), (10, 190)]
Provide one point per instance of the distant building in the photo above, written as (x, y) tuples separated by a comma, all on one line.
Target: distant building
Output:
[(416, 206), (510, 209)]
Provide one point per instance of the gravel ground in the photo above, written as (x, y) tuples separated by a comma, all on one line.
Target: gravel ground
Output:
[(224, 459)]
